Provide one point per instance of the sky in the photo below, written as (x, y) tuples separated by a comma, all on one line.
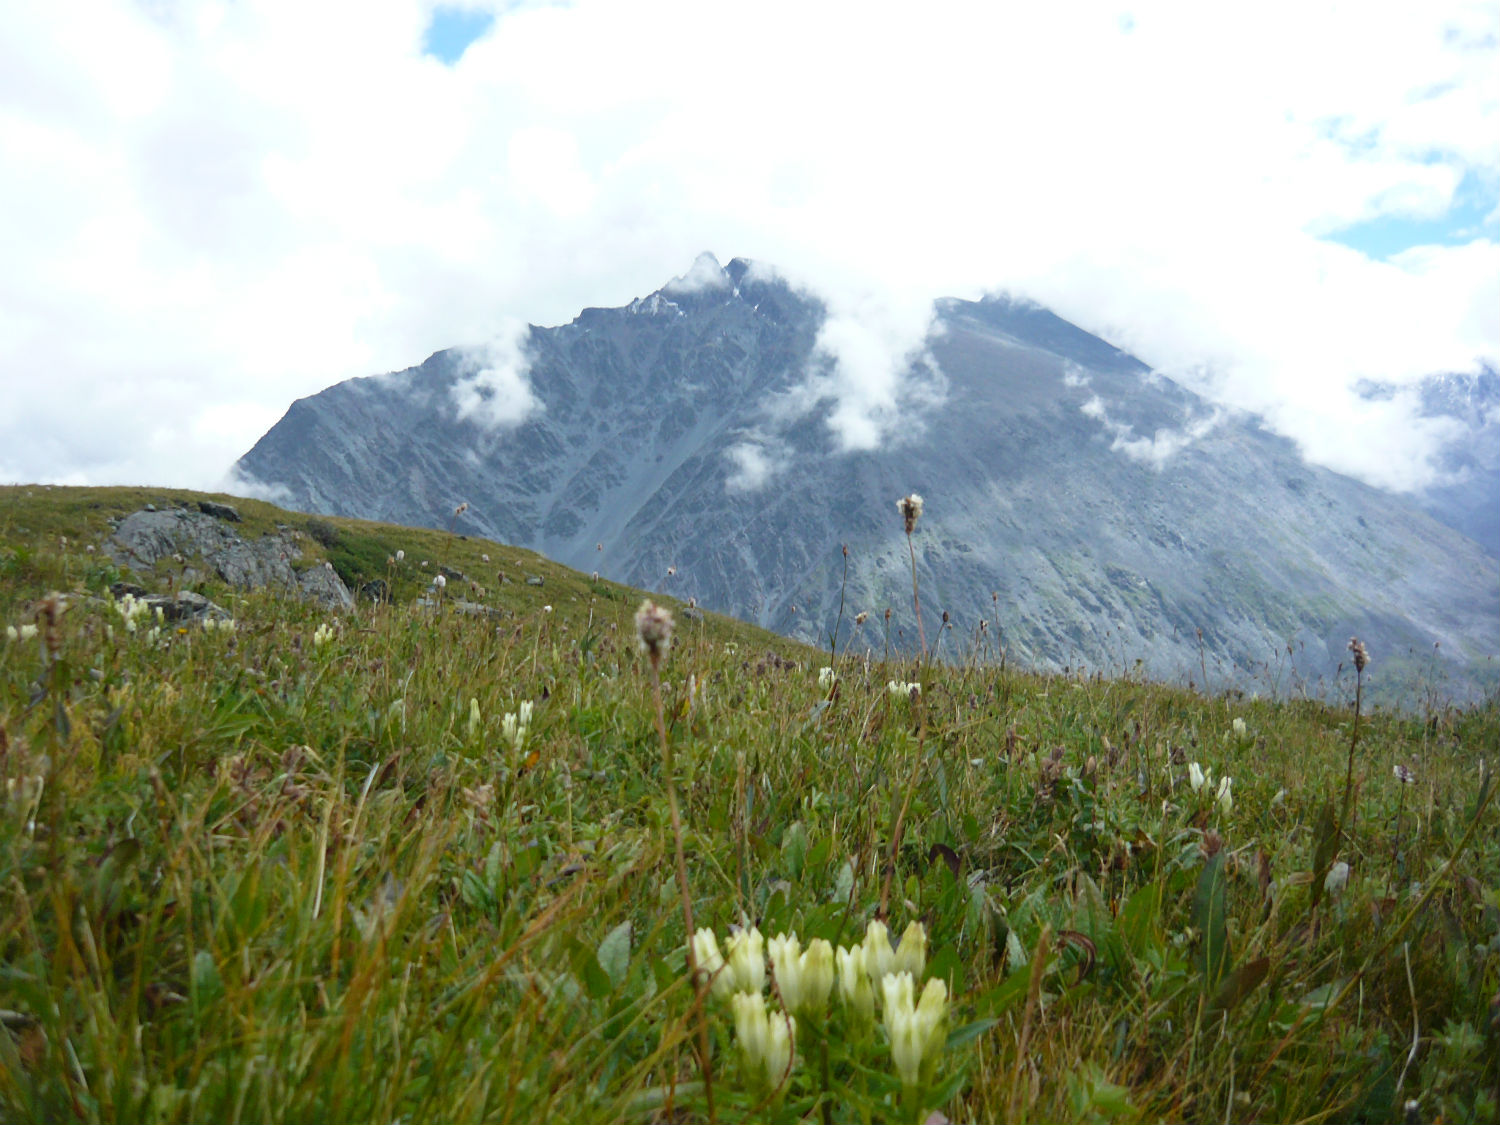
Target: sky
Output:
[(210, 208)]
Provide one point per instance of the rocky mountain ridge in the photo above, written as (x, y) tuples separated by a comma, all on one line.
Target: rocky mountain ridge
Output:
[(1089, 511)]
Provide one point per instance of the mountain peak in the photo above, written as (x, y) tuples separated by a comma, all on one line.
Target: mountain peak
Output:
[(704, 273)]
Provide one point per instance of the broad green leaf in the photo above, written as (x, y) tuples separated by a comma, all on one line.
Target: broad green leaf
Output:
[(969, 1032), (1208, 919), (1325, 848), (614, 953), (1240, 984)]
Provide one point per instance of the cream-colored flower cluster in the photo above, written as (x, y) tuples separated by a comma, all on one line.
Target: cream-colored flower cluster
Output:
[(805, 979), (1201, 780), (24, 633), (515, 724), (322, 635), (902, 689), (133, 609)]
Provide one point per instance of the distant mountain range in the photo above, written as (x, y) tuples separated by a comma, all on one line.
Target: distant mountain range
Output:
[(1090, 512)]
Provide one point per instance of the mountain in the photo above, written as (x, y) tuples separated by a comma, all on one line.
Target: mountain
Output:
[(1092, 512), (1468, 495)]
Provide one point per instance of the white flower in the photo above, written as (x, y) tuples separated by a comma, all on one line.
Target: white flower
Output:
[(781, 1032), (484, 557), (1404, 775), (745, 955), (827, 677), (910, 508), (915, 1028), (322, 635), (546, 609), (1196, 777), (653, 628), (879, 956), (475, 720), (400, 555), (750, 1026), (854, 982), (1240, 730), (710, 961), (911, 954), (905, 690), (1337, 878), (24, 633), (765, 1039), (803, 977), (440, 581), (1224, 798), (513, 726)]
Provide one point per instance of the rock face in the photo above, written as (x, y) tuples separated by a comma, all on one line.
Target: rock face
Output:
[(1088, 510), (145, 537), (1469, 499)]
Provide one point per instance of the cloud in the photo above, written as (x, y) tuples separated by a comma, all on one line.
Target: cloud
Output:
[(495, 392), (705, 274), (754, 467), (212, 209)]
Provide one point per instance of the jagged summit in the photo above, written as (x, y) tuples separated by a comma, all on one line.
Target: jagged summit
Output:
[(1090, 511)]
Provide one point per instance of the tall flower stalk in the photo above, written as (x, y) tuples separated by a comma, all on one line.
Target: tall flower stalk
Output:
[(910, 508), (653, 627), (1361, 659)]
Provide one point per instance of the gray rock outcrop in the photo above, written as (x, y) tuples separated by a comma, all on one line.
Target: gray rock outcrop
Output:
[(144, 538)]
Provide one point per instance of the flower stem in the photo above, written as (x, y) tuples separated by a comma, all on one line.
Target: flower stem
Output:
[(705, 1063), (916, 600)]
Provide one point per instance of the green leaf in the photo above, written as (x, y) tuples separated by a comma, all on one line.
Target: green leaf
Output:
[(969, 1032), (794, 848), (111, 875), (843, 883), (1208, 919), (614, 953), (1240, 984), (595, 980), (207, 984), (1138, 918)]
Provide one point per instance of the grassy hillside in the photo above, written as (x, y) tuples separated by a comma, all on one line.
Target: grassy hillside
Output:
[(268, 873)]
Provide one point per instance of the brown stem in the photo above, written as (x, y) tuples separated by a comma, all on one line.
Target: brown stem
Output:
[(915, 600)]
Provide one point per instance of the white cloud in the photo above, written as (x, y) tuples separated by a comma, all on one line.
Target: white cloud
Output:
[(753, 467), (495, 393), (211, 208), (706, 274)]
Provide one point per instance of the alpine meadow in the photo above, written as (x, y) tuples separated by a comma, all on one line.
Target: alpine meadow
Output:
[(496, 840)]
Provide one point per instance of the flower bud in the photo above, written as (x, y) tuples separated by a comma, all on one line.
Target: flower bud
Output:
[(1224, 797), (879, 956), (745, 953), (710, 961), (911, 954), (854, 983)]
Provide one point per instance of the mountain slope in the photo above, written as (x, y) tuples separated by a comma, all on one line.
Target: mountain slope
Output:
[(1093, 512)]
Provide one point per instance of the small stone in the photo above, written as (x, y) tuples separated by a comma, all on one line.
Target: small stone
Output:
[(219, 511), (533, 580)]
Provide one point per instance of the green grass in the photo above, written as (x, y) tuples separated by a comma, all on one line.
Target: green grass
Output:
[(272, 880)]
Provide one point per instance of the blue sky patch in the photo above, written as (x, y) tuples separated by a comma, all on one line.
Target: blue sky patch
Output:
[(1388, 235), (452, 30)]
